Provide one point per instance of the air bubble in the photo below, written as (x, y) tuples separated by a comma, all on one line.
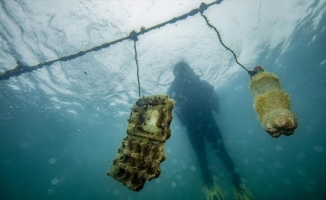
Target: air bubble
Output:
[(116, 192), (260, 171), (277, 164), (271, 187), (52, 160), (243, 180), (312, 182), (302, 172), (261, 159), (318, 149), (246, 161), (279, 148), (215, 178), (242, 186), (55, 181), (301, 155), (173, 94), (173, 184), (308, 189), (193, 168), (174, 161), (286, 182), (168, 150), (23, 145), (51, 191), (179, 177), (250, 132), (158, 181)]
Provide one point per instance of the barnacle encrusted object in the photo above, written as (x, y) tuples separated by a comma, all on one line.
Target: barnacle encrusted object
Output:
[(272, 105), (142, 150)]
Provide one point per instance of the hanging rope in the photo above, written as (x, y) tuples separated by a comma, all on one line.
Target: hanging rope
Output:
[(133, 35), (202, 8), (22, 68)]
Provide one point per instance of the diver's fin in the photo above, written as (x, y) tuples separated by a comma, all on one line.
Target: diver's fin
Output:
[(213, 192), (243, 194)]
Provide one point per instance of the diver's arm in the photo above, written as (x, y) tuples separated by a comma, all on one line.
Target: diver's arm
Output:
[(171, 90)]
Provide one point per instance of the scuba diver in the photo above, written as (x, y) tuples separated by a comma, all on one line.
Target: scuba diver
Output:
[(195, 100)]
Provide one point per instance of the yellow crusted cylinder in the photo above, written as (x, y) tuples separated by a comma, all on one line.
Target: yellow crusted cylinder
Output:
[(272, 104)]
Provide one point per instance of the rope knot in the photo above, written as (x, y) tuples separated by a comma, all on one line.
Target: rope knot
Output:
[(133, 35), (203, 7)]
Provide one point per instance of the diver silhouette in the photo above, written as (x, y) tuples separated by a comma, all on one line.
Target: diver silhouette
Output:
[(195, 100)]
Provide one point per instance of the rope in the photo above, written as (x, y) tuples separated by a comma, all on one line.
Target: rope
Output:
[(203, 7), (134, 36), (21, 68)]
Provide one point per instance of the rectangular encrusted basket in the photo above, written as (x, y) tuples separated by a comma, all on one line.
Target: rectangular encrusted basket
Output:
[(142, 150)]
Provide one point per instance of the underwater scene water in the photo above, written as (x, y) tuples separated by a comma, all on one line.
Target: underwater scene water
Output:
[(61, 125)]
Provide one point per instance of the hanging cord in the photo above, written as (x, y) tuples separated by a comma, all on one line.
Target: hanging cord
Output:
[(202, 8), (133, 36)]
